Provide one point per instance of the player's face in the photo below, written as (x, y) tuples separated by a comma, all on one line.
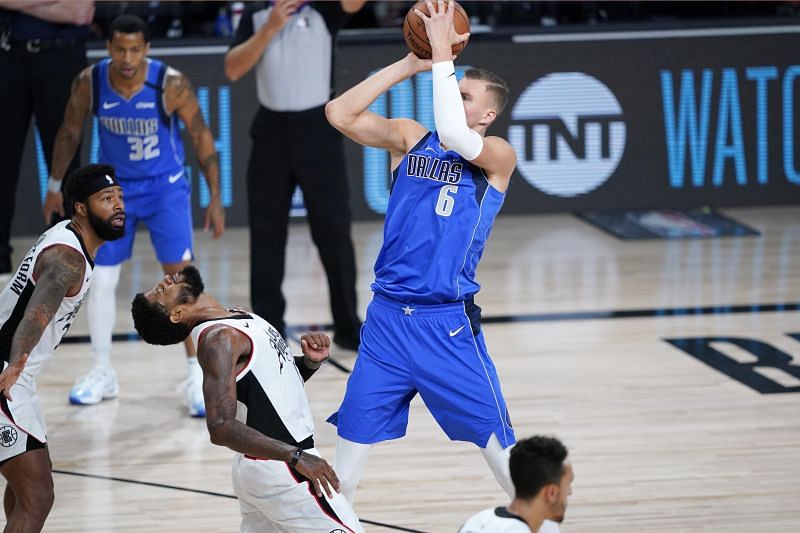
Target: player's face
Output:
[(127, 51), (175, 289), (477, 102), (558, 506), (106, 213)]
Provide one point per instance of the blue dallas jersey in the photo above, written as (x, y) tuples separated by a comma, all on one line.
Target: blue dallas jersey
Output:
[(137, 136), (440, 213)]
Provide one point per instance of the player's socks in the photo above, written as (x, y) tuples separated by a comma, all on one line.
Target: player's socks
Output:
[(497, 459), (193, 388), (100, 383), (351, 457)]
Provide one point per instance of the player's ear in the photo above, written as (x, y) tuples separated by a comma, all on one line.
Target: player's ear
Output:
[(177, 314), (146, 48), (81, 209), (551, 491)]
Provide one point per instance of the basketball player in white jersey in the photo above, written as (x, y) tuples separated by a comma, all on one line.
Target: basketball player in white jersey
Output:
[(255, 405), (542, 477), (37, 307)]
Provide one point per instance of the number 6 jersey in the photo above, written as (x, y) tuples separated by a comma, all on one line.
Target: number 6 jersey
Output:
[(441, 210), (136, 136)]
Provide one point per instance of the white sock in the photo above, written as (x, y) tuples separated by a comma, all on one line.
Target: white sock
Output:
[(351, 457), (102, 312), (497, 459), (193, 369)]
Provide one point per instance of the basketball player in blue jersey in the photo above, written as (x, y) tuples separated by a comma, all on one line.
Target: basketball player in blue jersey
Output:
[(422, 333), (138, 101), (37, 307), (256, 405)]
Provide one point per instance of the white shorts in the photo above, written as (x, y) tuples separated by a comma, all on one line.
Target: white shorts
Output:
[(22, 426), (271, 498)]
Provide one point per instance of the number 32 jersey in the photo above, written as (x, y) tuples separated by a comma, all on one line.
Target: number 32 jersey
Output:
[(136, 135), (441, 211)]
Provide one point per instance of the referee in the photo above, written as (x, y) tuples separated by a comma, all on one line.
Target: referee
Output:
[(290, 45), (42, 48)]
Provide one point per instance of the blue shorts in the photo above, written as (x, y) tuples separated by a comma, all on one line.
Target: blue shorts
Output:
[(430, 350), (163, 204)]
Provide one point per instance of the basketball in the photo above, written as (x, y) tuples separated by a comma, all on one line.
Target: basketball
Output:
[(417, 39)]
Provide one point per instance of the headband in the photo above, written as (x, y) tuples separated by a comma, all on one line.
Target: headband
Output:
[(91, 186)]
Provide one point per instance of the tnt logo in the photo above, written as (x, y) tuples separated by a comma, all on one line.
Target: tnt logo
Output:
[(568, 132), (8, 436)]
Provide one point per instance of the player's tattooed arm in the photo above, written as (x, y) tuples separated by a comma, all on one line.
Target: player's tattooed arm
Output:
[(58, 272), (68, 139), (180, 98), (69, 134), (218, 353)]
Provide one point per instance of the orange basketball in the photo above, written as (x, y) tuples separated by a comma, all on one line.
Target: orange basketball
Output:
[(417, 39)]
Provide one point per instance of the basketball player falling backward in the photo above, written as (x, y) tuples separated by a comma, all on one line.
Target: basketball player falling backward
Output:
[(137, 101), (422, 332)]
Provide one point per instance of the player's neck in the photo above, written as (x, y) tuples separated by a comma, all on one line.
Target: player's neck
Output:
[(206, 307), (528, 510), (128, 86), (91, 240)]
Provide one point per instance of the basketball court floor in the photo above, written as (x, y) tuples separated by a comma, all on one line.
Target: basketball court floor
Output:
[(664, 366)]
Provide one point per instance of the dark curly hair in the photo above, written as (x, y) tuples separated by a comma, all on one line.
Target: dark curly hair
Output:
[(536, 462), (153, 324)]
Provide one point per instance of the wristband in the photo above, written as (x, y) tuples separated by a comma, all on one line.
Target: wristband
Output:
[(317, 364), (296, 456), (53, 185)]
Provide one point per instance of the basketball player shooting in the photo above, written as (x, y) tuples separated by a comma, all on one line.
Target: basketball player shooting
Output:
[(422, 333), (255, 405)]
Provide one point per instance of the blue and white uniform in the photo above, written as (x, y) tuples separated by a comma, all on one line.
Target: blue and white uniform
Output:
[(422, 333), (143, 143)]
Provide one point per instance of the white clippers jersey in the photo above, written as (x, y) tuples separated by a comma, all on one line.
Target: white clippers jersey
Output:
[(495, 520), (17, 292), (270, 394)]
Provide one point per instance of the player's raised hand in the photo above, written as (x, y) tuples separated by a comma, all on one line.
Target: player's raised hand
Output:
[(439, 24), (316, 346), (10, 375), (417, 64), (319, 473)]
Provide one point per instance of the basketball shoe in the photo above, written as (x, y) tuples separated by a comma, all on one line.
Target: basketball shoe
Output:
[(99, 384)]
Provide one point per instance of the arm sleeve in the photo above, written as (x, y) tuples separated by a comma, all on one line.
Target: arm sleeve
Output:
[(305, 372), (448, 112)]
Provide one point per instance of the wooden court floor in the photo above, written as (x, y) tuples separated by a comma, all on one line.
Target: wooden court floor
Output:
[(598, 341)]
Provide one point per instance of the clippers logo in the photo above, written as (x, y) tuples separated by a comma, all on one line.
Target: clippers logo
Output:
[(8, 436), (568, 132)]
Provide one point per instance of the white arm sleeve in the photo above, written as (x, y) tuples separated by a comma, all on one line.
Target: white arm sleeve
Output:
[(448, 112)]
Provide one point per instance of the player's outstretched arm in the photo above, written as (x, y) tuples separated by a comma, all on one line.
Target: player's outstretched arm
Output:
[(58, 271), (350, 114), (217, 354), (180, 98), (67, 140)]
